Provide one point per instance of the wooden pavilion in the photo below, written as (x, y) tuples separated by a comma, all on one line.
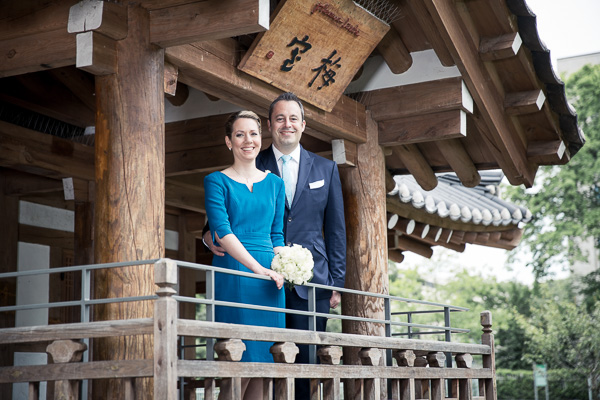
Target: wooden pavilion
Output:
[(114, 110)]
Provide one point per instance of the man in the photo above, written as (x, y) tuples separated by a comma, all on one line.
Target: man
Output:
[(314, 218)]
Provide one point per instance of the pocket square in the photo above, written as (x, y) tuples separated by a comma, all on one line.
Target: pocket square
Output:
[(316, 184)]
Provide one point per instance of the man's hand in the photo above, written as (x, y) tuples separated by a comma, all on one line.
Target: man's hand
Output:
[(216, 250), (335, 299)]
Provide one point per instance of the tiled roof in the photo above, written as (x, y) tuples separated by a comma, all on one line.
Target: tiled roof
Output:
[(450, 199), (555, 88)]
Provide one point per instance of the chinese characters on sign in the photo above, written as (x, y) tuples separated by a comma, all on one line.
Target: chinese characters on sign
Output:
[(325, 70), (314, 48)]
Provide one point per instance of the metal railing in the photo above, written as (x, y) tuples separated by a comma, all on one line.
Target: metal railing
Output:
[(210, 302)]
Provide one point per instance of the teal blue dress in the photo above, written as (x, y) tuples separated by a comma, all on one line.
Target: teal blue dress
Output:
[(256, 218)]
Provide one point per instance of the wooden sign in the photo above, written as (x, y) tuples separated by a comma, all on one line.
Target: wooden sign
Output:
[(314, 48)]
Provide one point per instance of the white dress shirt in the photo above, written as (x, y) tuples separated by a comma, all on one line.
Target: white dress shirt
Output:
[(293, 164)]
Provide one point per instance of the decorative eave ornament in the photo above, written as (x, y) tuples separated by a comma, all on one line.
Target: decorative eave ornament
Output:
[(314, 48)]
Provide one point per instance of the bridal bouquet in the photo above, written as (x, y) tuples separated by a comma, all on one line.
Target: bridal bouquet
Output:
[(295, 263)]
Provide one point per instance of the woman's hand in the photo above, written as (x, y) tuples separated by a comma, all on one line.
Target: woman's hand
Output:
[(278, 278)]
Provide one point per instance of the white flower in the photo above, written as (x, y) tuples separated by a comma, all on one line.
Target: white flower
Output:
[(295, 263)]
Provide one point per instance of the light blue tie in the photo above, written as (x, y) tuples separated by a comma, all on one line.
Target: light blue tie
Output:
[(286, 174)]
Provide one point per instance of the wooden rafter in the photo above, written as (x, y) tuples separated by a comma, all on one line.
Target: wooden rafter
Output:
[(514, 161)]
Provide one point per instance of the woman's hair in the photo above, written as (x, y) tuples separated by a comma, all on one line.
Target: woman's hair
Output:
[(240, 114)]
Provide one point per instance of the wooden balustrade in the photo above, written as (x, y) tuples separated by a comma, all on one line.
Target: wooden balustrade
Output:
[(419, 370)]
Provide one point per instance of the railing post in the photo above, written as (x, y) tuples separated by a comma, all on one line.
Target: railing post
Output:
[(284, 353), (448, 335), (372, 386), (66, 351), (330, 355), (312, 323), (230, 350), (488, 361), (210, 312), (165, 330), (464, 385)]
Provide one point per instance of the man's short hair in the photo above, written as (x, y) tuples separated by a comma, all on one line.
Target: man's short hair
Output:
[(288, 96)]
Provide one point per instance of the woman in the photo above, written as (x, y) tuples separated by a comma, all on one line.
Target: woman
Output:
[(245, 209)]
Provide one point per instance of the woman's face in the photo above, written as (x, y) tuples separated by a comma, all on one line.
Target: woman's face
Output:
[(245, 139)]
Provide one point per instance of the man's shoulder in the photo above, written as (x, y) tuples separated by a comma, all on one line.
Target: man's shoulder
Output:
[(320, 161)]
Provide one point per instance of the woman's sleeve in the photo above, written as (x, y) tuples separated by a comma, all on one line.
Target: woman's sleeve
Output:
[(277, 226), (214, 202)]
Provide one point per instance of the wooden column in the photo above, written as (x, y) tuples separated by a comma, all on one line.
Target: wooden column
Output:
[(9, 237), (366, 233), (129, 209)]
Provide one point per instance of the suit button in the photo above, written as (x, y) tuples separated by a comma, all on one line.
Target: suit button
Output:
[(289, 220)]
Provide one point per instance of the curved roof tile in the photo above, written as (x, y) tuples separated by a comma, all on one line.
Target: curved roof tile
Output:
[(449, 199)]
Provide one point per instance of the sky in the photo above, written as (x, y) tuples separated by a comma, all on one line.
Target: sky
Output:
[(568, 28)]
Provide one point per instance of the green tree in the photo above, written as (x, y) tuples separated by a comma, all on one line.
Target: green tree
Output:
[(564, 335), (566, 199)]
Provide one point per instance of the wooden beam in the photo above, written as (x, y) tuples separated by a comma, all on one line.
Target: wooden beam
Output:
[(197, 160), (524, 102), (423, 128), (344, 152), (395, 256), (420, 98), (208, 20), (490, 103), (106, 18), (43, 94), (96, 53), (170, 80), (184, 196), (402, 225), (214, 72), (460, 161), (547, 152), (46, 236), (394, 52), (38, 52), (30, 151), (80, 83), (500, 47), (417, 165), (409, 244), (431, 32), (16, 183)]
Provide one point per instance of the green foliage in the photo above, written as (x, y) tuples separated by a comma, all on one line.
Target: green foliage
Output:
[(546, 324), (566, 200), (564, 384)]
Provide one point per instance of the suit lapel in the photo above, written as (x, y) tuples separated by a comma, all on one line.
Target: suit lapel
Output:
[(306, 162), (266, 161)]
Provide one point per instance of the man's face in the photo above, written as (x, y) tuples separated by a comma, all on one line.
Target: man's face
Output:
[(286, 125)]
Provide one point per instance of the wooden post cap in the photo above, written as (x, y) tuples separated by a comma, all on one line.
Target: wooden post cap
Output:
[(369, 356), (284, 352), (405, 358), (165, 273), (436, 359), (464, 360), (330, 355), (66, 351), (230, 349), (486, 318)]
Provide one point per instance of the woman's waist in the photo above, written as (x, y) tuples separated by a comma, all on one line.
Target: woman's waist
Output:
[(255, 241)]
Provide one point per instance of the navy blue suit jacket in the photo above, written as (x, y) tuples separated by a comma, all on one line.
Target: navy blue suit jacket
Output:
[(315, 219)]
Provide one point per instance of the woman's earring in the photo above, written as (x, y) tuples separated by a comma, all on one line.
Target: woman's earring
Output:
[(230, 149)]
